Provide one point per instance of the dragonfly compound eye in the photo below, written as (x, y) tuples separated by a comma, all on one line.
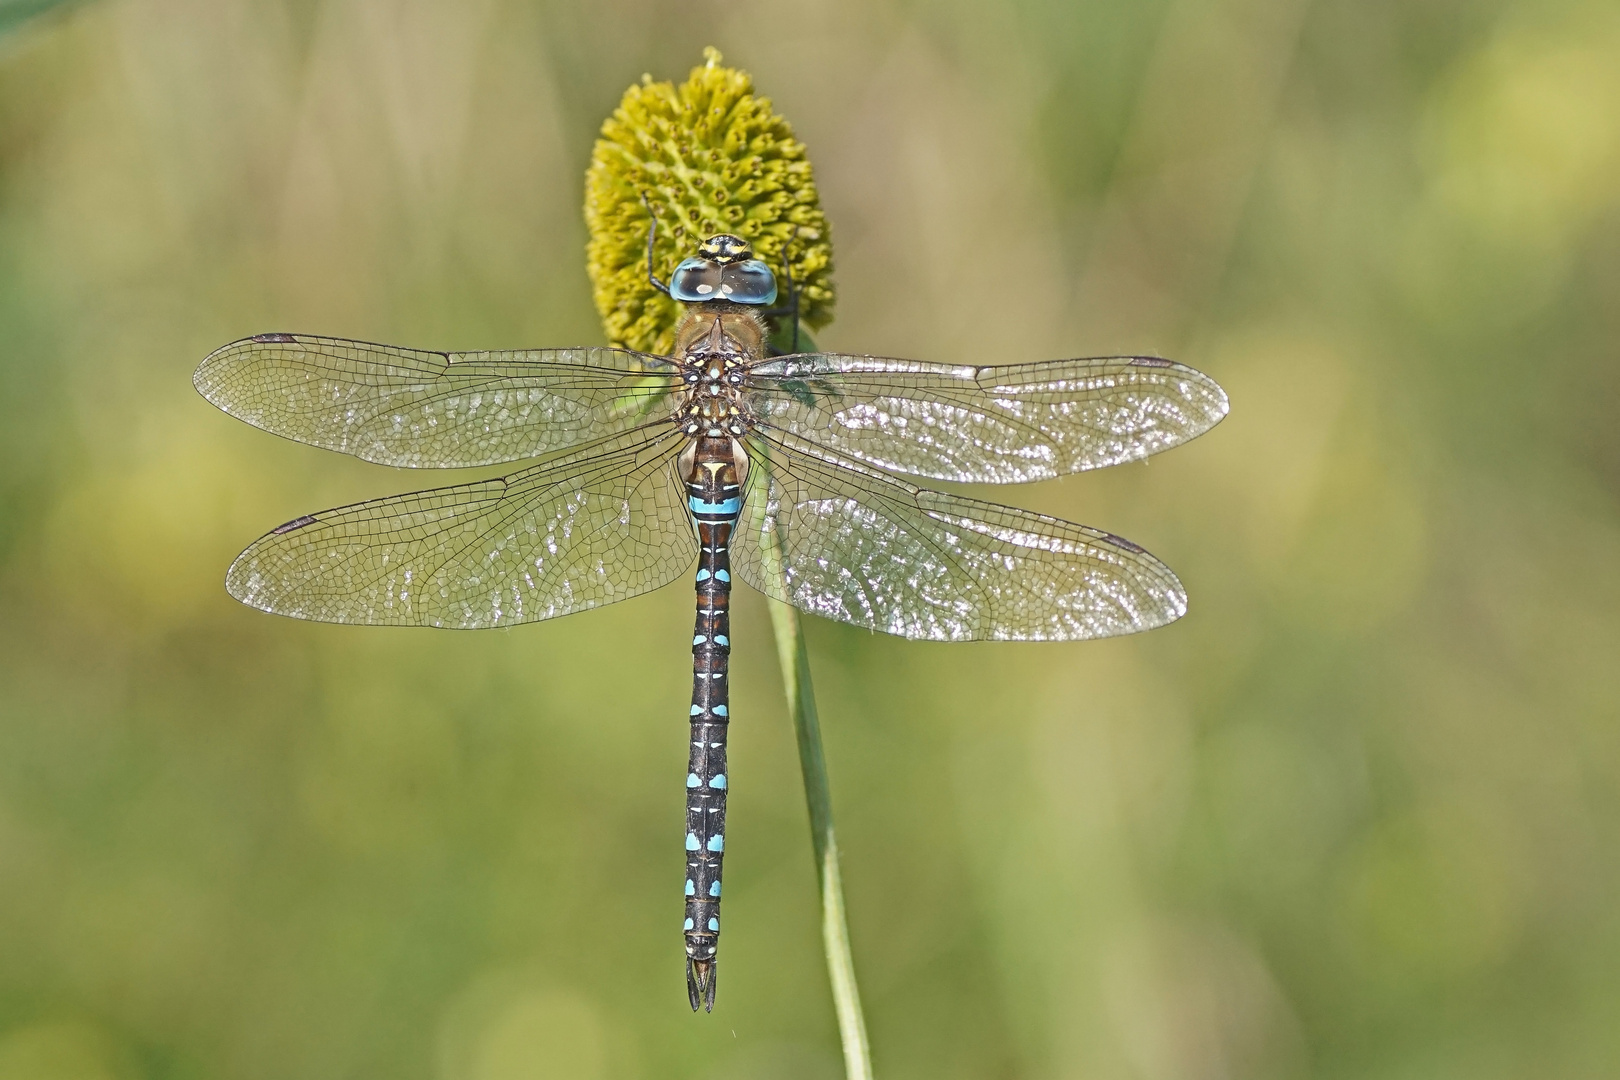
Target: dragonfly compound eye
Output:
[(705, 277), (749, 282), (695, 280)]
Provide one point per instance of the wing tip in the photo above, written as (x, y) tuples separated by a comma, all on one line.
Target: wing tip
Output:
[(1222, 405), (1217, 409), (1164, 595), (1175, 610), (203, 377)]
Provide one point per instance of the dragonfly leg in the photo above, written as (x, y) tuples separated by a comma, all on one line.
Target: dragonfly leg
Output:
[(652, 234), (790, 308), (793, 294)]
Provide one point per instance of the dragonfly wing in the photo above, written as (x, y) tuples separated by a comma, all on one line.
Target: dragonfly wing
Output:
[(996, 425), (593, 527), (420, 409), (835, 538)]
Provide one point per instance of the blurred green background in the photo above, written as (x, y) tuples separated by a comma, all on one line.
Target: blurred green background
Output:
[(1356, 816)]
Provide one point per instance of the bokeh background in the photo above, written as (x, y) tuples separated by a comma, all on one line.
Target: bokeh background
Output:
[(1356, 816)]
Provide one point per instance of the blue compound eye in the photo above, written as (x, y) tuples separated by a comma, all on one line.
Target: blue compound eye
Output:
[(698, 279), (749, 282), (695, 281)]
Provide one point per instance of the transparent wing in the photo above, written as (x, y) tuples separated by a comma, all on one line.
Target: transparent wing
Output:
[(835, 538), (995, 425), (420, 409), (590, 528)]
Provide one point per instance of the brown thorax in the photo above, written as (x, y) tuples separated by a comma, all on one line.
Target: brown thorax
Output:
[(716, 348)]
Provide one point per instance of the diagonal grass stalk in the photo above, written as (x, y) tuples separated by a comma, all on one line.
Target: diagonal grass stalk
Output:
[(801, 702), (801, 698)]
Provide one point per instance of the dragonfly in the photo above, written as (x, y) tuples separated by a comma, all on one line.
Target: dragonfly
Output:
[(782, 471)]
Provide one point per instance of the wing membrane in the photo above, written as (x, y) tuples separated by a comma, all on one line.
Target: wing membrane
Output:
[(999, 425), (835, 538), (421, 409), (590, 528)]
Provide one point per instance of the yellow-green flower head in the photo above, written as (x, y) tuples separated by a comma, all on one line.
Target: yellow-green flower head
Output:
[(709, 157)]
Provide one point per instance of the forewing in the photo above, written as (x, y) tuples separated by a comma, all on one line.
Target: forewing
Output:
[(837, 539), (995, 425), (420, 409), (590, 528)]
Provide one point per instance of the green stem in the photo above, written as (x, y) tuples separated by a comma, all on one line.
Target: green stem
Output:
[(834, 930)]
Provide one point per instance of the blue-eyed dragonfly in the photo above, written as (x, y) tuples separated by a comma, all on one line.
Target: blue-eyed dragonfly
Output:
[(778, 469)]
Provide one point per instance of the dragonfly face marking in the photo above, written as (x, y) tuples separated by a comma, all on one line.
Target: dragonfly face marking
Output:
[(594, 518)]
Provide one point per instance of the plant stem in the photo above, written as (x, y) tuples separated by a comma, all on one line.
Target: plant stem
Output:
[(801, 699)]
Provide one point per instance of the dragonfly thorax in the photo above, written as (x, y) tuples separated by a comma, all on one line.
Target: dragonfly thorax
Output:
[(716, 350), (730, 331)]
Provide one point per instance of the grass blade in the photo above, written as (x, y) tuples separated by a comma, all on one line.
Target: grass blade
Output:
[(801, 700)]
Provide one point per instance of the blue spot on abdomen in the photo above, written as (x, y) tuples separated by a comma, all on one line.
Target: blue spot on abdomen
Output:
[(728, 507)]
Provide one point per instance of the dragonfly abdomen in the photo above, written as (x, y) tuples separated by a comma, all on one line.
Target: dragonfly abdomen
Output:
[(714, 498)]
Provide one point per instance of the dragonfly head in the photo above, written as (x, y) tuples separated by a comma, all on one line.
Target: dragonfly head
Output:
[(724, 268)]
